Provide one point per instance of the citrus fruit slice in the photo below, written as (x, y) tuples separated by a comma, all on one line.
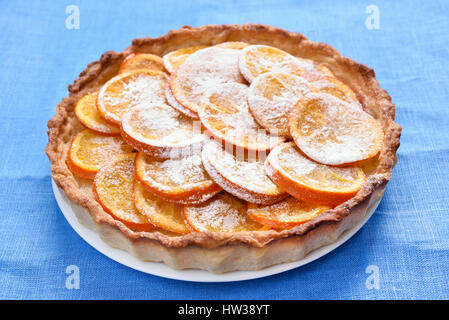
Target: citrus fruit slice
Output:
[(258, 59), (222, 213), (142, 61), (242, 178), (173, 60), (333, 132), (90, 151), (286, 214), (181, 180), (203, 70), (237, 45), (113, 189), (125, 91), (311, 181), (163, 214), (272, 95), (161, 131), (334, 87), (225, 114), (87, 113), (175, 104)]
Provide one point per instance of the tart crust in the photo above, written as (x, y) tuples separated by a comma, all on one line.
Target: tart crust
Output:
[(218, 251)]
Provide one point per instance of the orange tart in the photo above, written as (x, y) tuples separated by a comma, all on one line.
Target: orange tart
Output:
[(224, 147)]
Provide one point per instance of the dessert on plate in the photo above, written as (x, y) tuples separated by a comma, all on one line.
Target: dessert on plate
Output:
[(224, 147)]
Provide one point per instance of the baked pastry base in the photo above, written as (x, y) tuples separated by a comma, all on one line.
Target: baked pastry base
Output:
[(224, 259)]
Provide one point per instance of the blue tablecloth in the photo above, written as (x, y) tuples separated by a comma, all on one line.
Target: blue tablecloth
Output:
[(407, 238)]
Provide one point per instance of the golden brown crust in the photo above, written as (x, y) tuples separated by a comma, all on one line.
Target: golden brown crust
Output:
[(359, 77)]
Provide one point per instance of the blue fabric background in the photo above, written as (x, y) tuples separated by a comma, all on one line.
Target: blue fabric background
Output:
[(407, 238)]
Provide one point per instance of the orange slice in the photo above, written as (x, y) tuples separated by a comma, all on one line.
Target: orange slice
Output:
[(89, 152), (333, 132), (203, 70), (163, 214), (237, 45), (286, 214), (175, 104), (222, 213), (142, 61), (271, 97), (225, 114), (244, 179), (113, 189), (161, 131), (369, 166), (335, 87), (311, 181), (173, 60), (125, 91), (258, 59), (181, 180), (87, 113)]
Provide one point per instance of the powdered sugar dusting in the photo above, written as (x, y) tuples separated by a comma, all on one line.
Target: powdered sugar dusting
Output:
[(203, 70), (87, 112), (272, 95), (115, 188), (288, 159), (222, 213), (248, 175), (332, 131), (226, 114), (174, 59), (258, 59), (175, 104), (161, 125), (289, 210), (335, 87), (95, 150), (158, 117), (181, 172), (129, 90)]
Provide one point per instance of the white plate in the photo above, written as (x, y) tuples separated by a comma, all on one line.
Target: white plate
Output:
[(86, 229)]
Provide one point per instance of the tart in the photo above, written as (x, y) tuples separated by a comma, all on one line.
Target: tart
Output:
[(224, 147)]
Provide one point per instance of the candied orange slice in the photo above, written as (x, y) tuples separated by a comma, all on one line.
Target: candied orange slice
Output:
[(225, 115), (311, 181), (142, 61), (271, 97), (237, 45), (125, 91), (286, 214), (333, 132), (369, 166), (90, 151), (163, 214), (258, 59), (335, 87), (113, 189), (203, 70), (222, 213), (182, 180), (175, 104), (245, 179), (161, 131), (173, 60), (87, 113)]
